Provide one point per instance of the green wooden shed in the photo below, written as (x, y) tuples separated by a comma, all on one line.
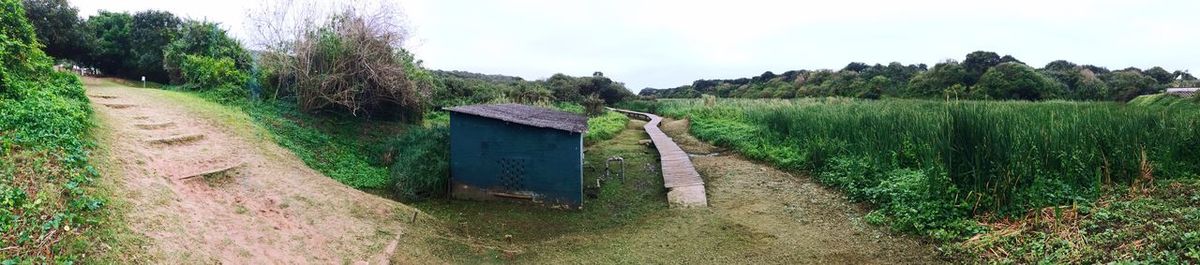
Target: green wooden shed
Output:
[(517, 152)]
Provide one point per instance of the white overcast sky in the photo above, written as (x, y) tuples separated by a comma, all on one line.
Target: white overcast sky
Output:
[(646, 43)]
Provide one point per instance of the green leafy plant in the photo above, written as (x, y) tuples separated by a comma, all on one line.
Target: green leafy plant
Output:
[(422, 167), (218, 75), (605, 126), (45, 201)]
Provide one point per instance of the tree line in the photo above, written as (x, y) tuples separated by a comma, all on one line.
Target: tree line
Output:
[(981, 75), (459, 88), (349, 61), (154, 44)]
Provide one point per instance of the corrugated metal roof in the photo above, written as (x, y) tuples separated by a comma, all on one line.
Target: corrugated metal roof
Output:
[(528, 115)]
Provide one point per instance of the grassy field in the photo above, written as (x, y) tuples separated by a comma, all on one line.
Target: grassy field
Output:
[(944, 169)]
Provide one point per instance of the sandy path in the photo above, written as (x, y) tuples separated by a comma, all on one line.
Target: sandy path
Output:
[(269, 209), (803, 222)]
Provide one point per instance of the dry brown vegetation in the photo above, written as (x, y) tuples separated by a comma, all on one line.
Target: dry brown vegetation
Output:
[(351, 60)]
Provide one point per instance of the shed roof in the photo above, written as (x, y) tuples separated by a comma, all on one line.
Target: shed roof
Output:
[(528, 115)]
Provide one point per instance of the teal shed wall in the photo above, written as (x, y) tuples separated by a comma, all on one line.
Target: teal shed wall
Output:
[(490, 156)]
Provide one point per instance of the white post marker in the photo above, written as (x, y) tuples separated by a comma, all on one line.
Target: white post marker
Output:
[(143, 81)]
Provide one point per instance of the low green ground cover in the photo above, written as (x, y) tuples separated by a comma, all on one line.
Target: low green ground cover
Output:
[(605, 126), (47, 201)]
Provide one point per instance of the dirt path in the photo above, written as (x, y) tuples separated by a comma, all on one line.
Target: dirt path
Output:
[(798, 220), (260, 205)]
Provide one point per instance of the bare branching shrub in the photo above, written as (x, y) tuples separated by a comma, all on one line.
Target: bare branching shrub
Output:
[(593, 105), (351, 61)]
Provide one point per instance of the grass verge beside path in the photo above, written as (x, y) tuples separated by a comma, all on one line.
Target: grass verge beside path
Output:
[(47, 199)]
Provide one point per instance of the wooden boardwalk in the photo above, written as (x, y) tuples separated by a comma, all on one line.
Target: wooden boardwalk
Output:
[(684, 186)]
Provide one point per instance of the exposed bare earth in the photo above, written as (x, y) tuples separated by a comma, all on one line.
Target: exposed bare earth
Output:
[(797, 220), (204, 191)]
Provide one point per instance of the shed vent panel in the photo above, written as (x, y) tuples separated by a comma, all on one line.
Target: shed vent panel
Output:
[(512, 173)]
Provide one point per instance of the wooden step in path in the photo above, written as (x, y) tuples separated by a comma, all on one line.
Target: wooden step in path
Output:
[(177, 139), (212, 172), (154, 126), (118, 105), (684, 186)]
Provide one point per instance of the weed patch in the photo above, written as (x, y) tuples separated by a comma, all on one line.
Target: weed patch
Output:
[(605, 127), (46, 203)]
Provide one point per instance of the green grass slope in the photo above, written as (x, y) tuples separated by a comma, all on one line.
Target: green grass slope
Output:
[(47, 202)]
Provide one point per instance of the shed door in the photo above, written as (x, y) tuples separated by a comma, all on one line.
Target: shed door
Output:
[(512, 173)]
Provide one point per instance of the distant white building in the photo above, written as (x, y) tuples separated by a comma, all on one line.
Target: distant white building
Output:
[(1183, 91)]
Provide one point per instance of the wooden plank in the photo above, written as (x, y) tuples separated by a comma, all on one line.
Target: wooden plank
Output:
[(118, 105), (154, 126), (686, 188), (212, 172)]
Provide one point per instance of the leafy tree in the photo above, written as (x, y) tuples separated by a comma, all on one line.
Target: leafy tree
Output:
[(1127, 85), (934, 82), (977, 63), (1016, 81), (1162, 76), (1060, 65), (875, 87), (856, 67), (1090, 87), (1096, 69), (202, 39), (151, 32), (1185, 76), (1133, 69), (766, 76), (1010, 59), (109, 36), (58, 26), (214, 74), (565, 88)]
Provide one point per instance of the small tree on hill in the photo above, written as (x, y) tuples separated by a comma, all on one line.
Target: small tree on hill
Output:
[(1017, 81)]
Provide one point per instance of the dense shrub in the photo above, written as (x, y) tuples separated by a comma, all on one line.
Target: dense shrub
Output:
[(1016, 81), (593, 105), (639, 105), (206, 40), (45, 200), (220, 76), (927, 165), (605, 126), (454, 88), (422, 167), (58, 27), (353, 64)]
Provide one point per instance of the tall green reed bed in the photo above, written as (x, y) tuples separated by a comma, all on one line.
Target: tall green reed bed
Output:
[(929, 166)]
